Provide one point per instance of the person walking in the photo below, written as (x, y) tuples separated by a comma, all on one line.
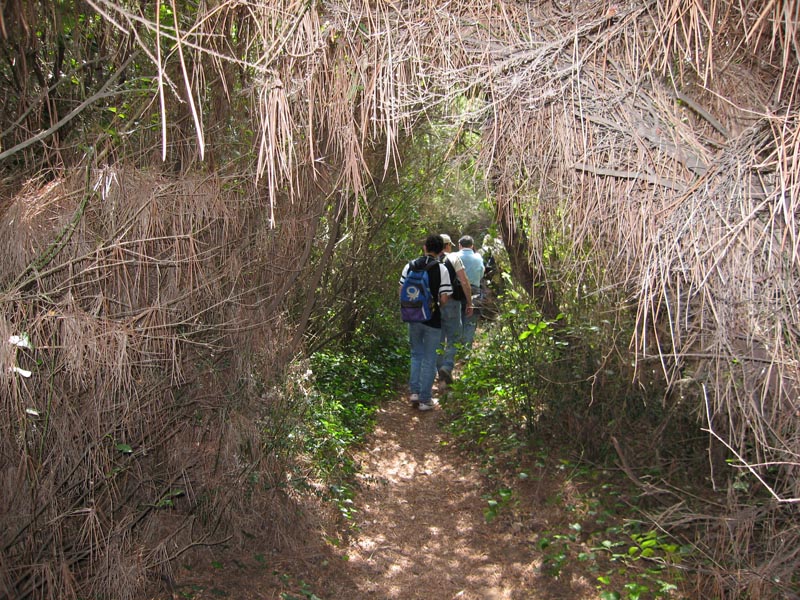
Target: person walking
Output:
[(474, 268), (460, 303), (424, 337)]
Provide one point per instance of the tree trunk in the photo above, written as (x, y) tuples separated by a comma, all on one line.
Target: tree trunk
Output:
[(528, 271)]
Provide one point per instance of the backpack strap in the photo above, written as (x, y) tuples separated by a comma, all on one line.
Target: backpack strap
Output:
[(429, 267), (458, 291), (415, 264)]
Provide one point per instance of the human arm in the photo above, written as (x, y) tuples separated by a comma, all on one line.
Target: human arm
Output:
[(462, 277), (403, 275)]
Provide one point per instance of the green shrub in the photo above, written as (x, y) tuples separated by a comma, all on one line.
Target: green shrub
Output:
[(347, 386)]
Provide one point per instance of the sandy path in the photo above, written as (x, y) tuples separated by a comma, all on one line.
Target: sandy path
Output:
[(423, 534)]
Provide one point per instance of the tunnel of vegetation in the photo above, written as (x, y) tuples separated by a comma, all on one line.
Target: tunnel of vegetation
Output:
[(191, 195)]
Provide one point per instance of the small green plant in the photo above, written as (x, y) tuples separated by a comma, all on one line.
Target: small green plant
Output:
[(347, 385), (334, 396), (499, 397), (343, 497), (649, 545), (193, 591), (637, 583), (496, 502), (168, 499)]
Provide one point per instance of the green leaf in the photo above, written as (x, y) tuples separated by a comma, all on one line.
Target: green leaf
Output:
[(667, 587), (124, 448), (543, 543)]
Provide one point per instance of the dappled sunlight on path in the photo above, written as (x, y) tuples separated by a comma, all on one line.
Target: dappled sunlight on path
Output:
[(421, 528)]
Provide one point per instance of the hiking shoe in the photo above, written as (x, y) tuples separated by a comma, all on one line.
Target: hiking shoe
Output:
[(429, 405), (414, 399), (445, 376)]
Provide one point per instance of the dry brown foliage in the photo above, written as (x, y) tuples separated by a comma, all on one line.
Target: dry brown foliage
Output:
[(128, 443), (659, 136)]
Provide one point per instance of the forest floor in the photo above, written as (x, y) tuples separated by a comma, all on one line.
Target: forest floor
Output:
[(419, 530)]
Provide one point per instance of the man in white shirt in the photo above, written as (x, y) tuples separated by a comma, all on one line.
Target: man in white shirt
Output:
[(452, 314)]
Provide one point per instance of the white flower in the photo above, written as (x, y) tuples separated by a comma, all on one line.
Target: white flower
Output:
[(21, 341), (22, 372)]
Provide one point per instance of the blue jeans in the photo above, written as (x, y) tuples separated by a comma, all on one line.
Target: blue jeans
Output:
[(424, 342), (468, 327), (451, 335)]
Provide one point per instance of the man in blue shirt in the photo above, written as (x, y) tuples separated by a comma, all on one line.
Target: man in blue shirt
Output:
[(473, 265)]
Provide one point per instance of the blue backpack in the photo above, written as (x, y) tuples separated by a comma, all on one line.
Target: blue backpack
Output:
[(416, 300)]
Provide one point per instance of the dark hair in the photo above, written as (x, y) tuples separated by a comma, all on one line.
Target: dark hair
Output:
[(434, 243), (466, 241)]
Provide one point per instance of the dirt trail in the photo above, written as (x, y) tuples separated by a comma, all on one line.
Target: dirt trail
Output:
[(422, 528), (421, 531)]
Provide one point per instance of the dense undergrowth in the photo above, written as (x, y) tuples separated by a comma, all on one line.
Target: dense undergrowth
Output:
[(525, 405), (563, 399), (347, 385), (539, 397)]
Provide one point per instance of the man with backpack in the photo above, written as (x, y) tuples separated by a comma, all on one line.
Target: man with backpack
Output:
[(424, 288), (460, 303)]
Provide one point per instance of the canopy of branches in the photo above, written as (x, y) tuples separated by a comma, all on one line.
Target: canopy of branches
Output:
[(657, 137)]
